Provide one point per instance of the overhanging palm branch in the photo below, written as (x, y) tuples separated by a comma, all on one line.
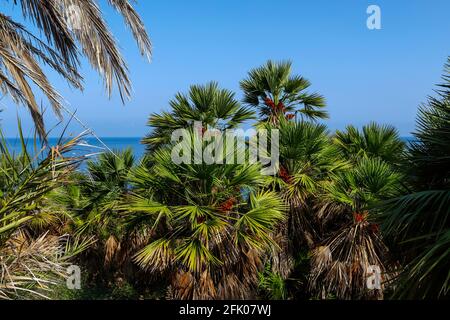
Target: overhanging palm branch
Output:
[(66, 31), (419, 221)]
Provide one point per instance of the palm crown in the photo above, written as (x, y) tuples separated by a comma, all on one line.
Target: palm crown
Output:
[(208, 104), (277, 93), (372, 141)]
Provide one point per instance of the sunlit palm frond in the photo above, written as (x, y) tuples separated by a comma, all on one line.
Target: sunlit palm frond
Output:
[(277, 94), (209, 105), (29, 178), (372, 141), (66, 31)]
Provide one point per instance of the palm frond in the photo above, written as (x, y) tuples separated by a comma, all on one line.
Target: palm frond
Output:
[(66, 31)]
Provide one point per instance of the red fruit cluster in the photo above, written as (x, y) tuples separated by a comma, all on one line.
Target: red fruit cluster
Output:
[(201, 219), (227, 205), (359, 217), (275, 108), (284, 175), (268, 102), (290, 116), (281, 107), (374, 227)]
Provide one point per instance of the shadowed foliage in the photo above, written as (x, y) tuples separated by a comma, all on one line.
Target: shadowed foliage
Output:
[(91, 199), (419, 221)]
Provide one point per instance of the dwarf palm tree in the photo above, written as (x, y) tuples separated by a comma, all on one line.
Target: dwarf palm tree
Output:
[(306, 159), (352, 243), (207, 227), (66, 30), (30, 265), (276, 93), (208, 105), (27, 179), (91, 199), (419, 220)]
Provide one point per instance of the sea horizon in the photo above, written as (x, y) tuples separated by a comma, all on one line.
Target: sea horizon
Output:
[(93, 146)]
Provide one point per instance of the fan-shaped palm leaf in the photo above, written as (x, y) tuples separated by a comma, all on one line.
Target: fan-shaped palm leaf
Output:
[(275, 92), (209, 105)]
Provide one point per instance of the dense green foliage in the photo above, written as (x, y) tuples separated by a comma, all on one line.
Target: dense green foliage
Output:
[(48, 35), (339, 205)]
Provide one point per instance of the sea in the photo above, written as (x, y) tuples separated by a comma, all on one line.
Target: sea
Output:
[(91, 147)]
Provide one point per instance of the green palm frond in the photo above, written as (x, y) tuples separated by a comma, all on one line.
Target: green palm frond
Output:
[(209, 105), (361, 187), (419, 221), (273, 285), (274, 92), (29, 179), (373, 140)]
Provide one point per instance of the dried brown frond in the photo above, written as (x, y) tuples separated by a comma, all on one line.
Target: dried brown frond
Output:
[(112, 247), (341, 266), (30, 267)]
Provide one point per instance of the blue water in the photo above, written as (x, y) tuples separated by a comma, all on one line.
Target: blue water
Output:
[(120, 143), (89, 146)]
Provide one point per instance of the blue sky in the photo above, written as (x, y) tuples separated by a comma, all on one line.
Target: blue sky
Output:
[(381, 75)]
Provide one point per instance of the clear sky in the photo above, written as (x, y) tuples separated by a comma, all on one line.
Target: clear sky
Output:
[(365, 75)]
